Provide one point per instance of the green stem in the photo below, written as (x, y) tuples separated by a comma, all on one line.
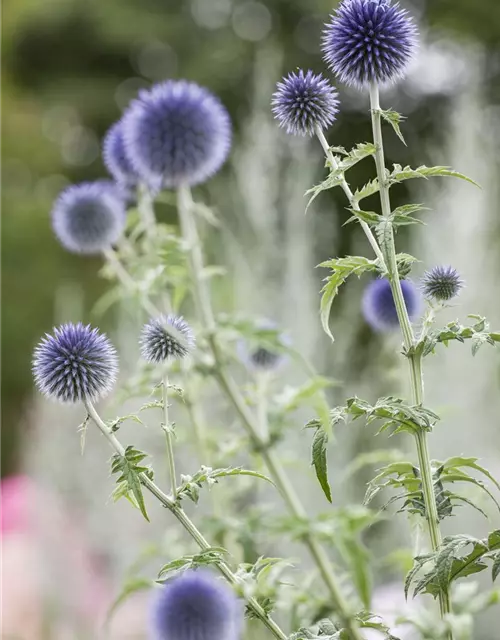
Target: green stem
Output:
[(169, 438), (414, 359), (350, 196), (128, 282), (204, 308), (186, 522), (146, 211)]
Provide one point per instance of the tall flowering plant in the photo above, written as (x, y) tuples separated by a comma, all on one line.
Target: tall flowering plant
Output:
[(173, 137)]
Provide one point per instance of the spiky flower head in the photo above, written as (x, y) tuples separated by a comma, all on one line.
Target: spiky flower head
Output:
[(75, 362), (176, 133), (442, 283), (89, 217), (115, 158), (369, 41), (196, 606), (379, 308), (166, 337), (303, 102)]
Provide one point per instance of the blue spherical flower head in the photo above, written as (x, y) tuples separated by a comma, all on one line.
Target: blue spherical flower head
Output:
[(116, 159), (75, 362), (176, 133), (379, 308), (304, 102), (166, 338), (196, 606), (442, 283), (89, 217), (369, 41)]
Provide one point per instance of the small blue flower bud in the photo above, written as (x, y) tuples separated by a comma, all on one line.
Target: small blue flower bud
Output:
[(196, 606), (442, 283), (369, 41), (379, 308), (74, 363), (115, 158), (89, 217), (166, 337), (303, 102)]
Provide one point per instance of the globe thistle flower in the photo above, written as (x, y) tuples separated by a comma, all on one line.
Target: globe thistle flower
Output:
[(75, 362), (442, 283), (196, 606), (303, 102), (166, 337), (379, 308), (176, 133), (89, 217), (115, 158), (260, 357), (369, 41)]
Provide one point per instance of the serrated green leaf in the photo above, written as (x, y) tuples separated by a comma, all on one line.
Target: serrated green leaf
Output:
[(370, 217), (399, 174), (394, 119), (459, 461), (191, 485), (369, 189), (153, 404), (129, 469), (206, 557), (319, 461), (341, 269), (478, 333)]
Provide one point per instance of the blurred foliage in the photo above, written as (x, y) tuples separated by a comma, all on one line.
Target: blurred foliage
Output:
[(68, 67)]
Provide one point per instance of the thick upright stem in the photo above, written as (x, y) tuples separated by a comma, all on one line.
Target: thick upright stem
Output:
[(186, 522), (228, 386), (414, 359), (169, 438)]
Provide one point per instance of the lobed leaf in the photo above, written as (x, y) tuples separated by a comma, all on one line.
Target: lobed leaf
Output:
[(399, 174), (206, 475), (129, 472), (341, 269), (394, 119)]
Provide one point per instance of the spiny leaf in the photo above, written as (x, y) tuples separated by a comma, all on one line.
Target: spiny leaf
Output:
[(334, 179), (341, 269), (459, 461), (129, 483), (400, 173), (370, 217), (115, 424), (478, 333), (394, 119), (206, 475), (319, 460), (367, 190), (206, 557), (358, 153), (449, 565)]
